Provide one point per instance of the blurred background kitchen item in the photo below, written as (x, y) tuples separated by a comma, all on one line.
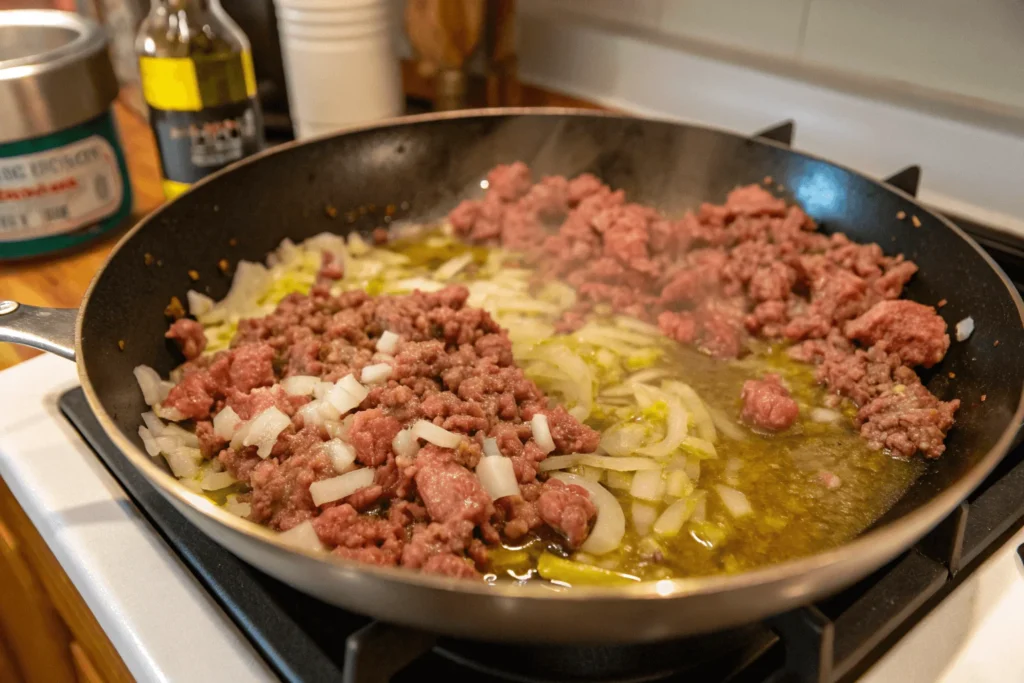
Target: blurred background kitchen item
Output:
[(339, 62)]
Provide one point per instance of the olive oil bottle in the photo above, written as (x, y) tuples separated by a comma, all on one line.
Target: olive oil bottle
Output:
[(198, 82)]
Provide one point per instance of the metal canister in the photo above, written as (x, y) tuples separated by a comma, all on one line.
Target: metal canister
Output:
[(63, 178)]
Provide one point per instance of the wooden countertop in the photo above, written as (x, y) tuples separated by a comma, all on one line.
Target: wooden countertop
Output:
[(61, 279)]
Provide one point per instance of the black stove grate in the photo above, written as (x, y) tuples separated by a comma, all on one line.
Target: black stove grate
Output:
[(833, 641)]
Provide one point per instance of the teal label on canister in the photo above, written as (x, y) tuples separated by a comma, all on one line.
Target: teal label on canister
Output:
[(63, 189)]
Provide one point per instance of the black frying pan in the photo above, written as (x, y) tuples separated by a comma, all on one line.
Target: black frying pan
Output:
[(424, 165)]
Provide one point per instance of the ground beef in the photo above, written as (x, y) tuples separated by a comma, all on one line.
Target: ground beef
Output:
[(453, 367), (719, 275), (767, 404), (189, 335)]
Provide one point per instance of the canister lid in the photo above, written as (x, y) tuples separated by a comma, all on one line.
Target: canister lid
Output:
[(55, 72)]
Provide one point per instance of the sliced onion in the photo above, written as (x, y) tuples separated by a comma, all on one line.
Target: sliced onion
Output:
[(675, 430), (621, 481), (237, 507), (215, 481), (678, 484), (700, 510), (150, 383), (964, 328), (388, 342), (497, 476), (726, 426), (342, 455), (404, 444), (302, 536), (198, 303), (491, 446), (149, 441), (703, 423), (167, 444), (699, 447), (451, 267), (182, 436), (184, 461), (610, 525), (264, 429), (825, 415), (623, 439), (542, 433), (559, 462), (343, 486), (735, 501), (643, 517), (430, 432), (648, 485), (591, 473), (225, 423), (671, 521), (372, 374), (153, 423), (300, 385)]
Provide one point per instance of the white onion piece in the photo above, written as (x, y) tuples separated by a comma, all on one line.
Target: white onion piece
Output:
[(198, 303), (237, 507), (700, 447), (451, 267), (542, 433), (591, 473), (610, 525), (184, 461), (430, 432), (167, 444), (342, 455), (703, 423), (692, 469), (181, 435), (241, 432), (302, 536), (388, 342), (700, 510), (491, 447), (153, 423), (225, 423), (643, 517), (824, 415), (404, 444), (353, 387), (671, 521), (311, 412), (623, 439), (678, 484), (168, 413), (497, 476), (619, 480), (192, 485), (343, 486), (648, 485), (372, 374), (300, 385), (148, 441), (321, 389), (264, 429), (559, 462), (342, 399), (149, 381), (215, 481), (605, 462), (675, 430), (735, 501), (726, 426), (964, 328)]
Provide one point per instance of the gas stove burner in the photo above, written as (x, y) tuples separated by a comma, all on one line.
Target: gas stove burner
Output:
[(722, 652)]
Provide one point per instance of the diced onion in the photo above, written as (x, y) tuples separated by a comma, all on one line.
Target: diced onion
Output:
[(343, 486), (561, 462), (236, 507), (182, 436), (591, 473), (321, 389), (168, 413), (497, 476), (674, 517), (699, 447), (388, 342), (726, 426), (300, 385), (619, 480), (225, 423), (675, 430), (678, 484), (312, 412), (150, 383), (198, 303), (430, 432), (623, 439), (964, 328), (215, 481), (302, 536), (153, 423), (703, 423), (825, 415), (342, 455), (643, 517), (491, 447), (451, 268), (735, 501), (342, 399), (264, 429), (610, 525), (148, 441), (184, 461), (700, 510), (542, 433), (404, 444), (354, 387), (648, 485), (375, 373)]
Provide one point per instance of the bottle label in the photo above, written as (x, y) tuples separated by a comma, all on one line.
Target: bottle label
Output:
[(59, 190), (203, 112)]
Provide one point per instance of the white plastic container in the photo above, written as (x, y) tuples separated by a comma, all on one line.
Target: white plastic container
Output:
[(340, 63)]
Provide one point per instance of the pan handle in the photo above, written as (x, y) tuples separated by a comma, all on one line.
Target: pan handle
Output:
[(49, 329)]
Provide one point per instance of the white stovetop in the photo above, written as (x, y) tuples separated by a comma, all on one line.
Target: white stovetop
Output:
[(167, 628)]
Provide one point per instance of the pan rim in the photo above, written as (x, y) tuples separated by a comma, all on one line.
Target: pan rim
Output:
[(878, 545)]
